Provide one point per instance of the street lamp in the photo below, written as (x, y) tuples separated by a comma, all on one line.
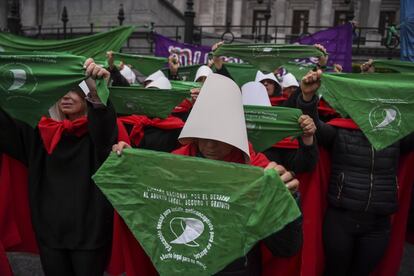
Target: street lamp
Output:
[(189, 15), (65, 20), (121, 14)]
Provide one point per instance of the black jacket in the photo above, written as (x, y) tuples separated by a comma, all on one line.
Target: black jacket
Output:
[(299, 160), (362, 179), (68, 210), (284, 243)]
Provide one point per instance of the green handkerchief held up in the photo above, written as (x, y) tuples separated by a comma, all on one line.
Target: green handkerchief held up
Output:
[(194, 216), (267, 57), (31, 84), (380, 104), (146, 101), (144, 64), (268, 125), (94, 46)]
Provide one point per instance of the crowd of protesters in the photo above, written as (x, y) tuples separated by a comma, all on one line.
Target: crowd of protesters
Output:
[(73, 220)]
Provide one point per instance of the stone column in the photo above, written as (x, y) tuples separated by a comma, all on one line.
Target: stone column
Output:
[(28, 13), (279, 18), (374, 12), (237, 16), (206, 14), (372, 22), (325, 13)]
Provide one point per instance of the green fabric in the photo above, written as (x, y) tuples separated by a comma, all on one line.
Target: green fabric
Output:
[(298, 70), (241, 73), (267, 57), (187, 73), (268, 125), (144, 64), (31, 84), (94, 46), (394, 66), (164, 198), (184, 85), (380, 104), (143, 101)]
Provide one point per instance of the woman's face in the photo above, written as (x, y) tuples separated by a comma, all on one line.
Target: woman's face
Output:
[(213, 149), (202, 79), (72, 105), (289, 90), (270, 86)]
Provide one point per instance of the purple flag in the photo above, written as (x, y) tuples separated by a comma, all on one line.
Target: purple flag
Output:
[(188, 54), (338, 43)]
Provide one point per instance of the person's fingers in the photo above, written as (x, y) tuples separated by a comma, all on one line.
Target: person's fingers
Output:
[(305, 123), (271, 165), (319, 73), (280, 169), (88, 62), (90, 69), (293, 185), (286, 177), (119, 147), (95, 72), (100, 74)]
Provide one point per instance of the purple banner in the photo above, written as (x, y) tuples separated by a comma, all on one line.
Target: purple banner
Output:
[(188, 54), (338, 43)]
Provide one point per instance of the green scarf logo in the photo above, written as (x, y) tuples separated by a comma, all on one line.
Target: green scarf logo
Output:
[(17, 77), (265, 52), (186, 234), (385, 118)]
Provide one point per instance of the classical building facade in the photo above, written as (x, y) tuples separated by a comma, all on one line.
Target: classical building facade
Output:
[(369, 13), (48, 13), (297, 15), (246, 19)]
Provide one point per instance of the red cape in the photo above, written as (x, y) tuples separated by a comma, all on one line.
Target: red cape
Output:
[(16, 231)]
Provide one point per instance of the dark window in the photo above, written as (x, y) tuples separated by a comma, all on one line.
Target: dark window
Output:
[(340, 17), (300, 22), (387, 18), (259, 22)]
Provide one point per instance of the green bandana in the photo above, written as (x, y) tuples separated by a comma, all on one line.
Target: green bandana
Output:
[(241, 73), (393, 66), (268, 125), (31, 84), (194, 216), (144, 64), (146, 101), (298, 70), (94, 46), (380, 104), (267, 57), (184, 85)]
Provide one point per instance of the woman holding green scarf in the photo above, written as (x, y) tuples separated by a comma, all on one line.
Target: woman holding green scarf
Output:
[(71, 217), (362, 190), (223, 137)]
